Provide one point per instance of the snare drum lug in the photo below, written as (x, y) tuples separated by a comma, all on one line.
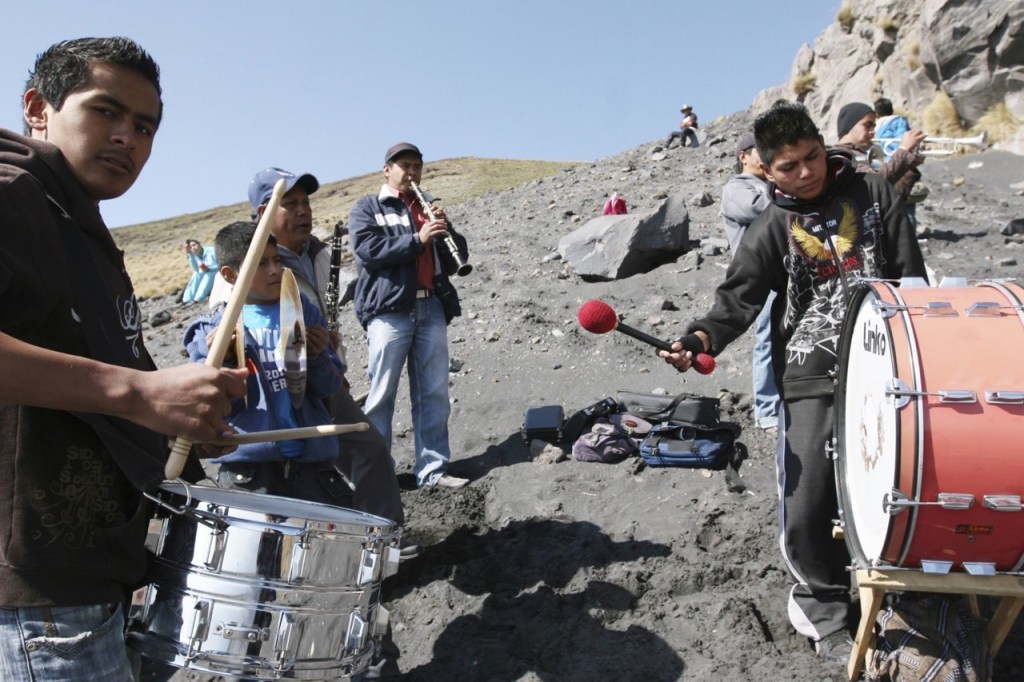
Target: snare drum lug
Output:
[(358, 630), (1004, 397), (1003, 503), (391, 564), (300, 558), (381, 618), (215, 551), (283, 649), (200, 623), (368, 565)]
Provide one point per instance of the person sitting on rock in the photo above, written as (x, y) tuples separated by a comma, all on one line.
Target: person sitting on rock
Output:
[(687, 132), (203, 260)]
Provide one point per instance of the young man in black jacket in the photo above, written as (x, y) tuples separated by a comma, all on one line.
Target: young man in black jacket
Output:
[(84, 414), (827, 224)]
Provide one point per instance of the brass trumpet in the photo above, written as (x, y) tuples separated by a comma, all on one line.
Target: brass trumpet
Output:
[(453, 261), (940, 146)]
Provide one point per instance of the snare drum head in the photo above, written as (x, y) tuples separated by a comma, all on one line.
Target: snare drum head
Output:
[(866, 433), (272, 505)]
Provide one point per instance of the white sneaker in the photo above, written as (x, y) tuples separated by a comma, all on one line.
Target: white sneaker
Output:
[(449, 481)]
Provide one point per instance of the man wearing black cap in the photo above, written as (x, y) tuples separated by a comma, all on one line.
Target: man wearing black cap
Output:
[(687, 132), (405, 301), (856, 128), (364, 454), (744, 197)]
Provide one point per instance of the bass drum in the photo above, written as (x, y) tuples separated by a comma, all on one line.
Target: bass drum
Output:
[(257, 587), (929, 422)]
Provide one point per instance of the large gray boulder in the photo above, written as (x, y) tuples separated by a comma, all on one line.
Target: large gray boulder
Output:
[(617, 246), (911, 51)]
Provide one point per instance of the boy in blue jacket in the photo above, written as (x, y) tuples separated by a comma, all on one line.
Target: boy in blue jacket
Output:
[(302, 469)]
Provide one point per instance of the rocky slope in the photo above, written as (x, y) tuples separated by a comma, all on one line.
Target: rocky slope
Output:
[(967, 54), (574, 571)]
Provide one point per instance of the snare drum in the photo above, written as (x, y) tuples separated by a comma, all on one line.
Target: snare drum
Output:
[(929, 424), (259, 587)]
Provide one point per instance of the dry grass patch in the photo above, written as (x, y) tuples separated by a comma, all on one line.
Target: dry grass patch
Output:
[(845, 17), (999, 123), (940, 118), (803, 84)]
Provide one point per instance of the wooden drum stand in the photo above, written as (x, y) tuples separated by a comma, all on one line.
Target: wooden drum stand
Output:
[(873, 584)]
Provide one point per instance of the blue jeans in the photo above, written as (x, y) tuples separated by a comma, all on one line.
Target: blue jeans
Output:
[(419, 339), (766, 395), (69, 643)]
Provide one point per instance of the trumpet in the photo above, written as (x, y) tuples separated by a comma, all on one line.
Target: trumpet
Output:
[(874, 157), (453, 261), (939, 146)]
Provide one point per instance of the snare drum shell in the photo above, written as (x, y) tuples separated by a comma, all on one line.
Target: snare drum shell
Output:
[(941, 345), (253, 586)]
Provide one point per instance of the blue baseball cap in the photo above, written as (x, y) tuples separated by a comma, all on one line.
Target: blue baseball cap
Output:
[(262, 185)]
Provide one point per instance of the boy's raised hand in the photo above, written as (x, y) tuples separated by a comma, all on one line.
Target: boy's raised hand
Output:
[(317, 339)]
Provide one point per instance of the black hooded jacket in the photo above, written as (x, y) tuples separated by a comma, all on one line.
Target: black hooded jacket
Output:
[(785, 250), (72, 518)]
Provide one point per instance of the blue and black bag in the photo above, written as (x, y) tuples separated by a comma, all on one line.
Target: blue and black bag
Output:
[(673, 444)]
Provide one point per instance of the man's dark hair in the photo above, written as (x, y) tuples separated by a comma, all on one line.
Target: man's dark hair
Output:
[(67, 66), (232, 243), (883, 107), (784, 123)]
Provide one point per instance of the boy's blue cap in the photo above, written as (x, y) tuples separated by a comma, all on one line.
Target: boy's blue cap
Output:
[(262, 185)]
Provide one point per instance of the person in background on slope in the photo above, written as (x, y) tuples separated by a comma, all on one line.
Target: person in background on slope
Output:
[(826, 224), (744, 197), (203, 261), (85, 414), (615, 205), (687, 132), (889, 128)]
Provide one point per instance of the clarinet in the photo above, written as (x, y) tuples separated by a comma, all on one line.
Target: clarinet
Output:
[(332, 298), (451, 252)]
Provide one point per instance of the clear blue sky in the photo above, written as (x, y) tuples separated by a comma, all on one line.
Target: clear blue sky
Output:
[(325, 86)]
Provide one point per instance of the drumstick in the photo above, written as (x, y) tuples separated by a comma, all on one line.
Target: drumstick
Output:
[(222, 335), (288, 434)]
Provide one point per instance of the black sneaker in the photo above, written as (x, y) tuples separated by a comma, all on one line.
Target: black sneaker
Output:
[(835, 648)]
